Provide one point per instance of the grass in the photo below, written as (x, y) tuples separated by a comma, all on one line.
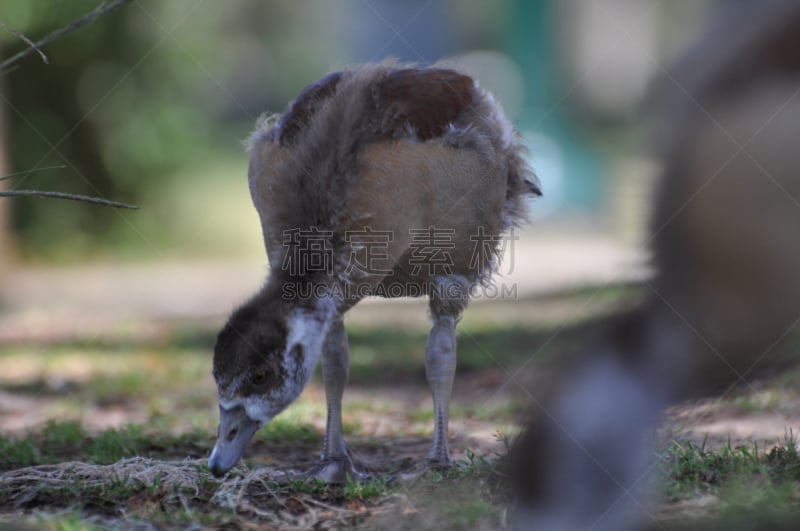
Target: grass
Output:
[(132, 424), (69, 440), (284, 429), (744, 480), (368, 491), (16, 453), (692, 468)]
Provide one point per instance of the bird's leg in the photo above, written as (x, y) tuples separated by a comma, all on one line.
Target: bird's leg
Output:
[(336, 462), (335, 370), (440, 369), (448, 299)]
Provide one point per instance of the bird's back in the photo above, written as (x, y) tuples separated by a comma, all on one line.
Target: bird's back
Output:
[(394, 150)]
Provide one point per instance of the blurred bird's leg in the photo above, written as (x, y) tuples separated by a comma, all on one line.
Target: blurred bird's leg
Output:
[(594, 453), (585, 462), (336, 463)]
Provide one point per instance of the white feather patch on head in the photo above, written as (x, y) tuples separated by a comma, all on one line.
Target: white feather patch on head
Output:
[(230, 403), (253, 407)]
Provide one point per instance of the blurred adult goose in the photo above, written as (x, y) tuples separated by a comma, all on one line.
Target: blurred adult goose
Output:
[(724, 302)]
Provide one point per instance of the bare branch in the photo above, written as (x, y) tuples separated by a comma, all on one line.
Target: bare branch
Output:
[(21, 36), (71, 197), (99, 11)]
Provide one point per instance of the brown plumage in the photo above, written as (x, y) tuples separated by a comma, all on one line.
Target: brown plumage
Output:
[(389, 153)]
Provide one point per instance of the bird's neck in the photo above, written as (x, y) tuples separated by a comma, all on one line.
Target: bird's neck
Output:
[(308, 325)]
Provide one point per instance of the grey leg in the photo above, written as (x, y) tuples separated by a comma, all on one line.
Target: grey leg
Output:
[(335, 370), (335, 463), (440, 368), (448, 300)]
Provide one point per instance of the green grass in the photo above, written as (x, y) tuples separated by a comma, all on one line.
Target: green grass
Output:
[(15, 454), (115, 444), (68, 433), (70, 440), (65, 522), (284, 429), (742, 478), (368, 491), (745, 480), (307, 486), (167, 391)]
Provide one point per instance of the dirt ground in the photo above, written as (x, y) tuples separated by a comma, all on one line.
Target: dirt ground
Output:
[(146, 302), (117, 346)]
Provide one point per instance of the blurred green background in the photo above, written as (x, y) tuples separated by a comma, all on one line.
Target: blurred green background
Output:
[(150, 104)]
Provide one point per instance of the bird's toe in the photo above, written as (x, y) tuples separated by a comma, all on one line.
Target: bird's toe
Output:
[(337, 470)]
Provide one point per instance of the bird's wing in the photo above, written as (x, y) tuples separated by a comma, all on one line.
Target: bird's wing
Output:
[(419, 101), (307, 103)]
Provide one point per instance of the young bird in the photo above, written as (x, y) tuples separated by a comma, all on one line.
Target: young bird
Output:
[(385, 180)]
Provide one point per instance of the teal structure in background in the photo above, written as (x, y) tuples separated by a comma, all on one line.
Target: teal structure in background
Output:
[(572, 174)]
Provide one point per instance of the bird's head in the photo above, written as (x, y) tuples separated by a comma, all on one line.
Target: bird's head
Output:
[(264, 357)]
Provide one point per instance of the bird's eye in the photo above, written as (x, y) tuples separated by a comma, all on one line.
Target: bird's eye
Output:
[(260, 378)]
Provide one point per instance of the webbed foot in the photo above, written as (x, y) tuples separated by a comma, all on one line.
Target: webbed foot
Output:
[(338, 469)]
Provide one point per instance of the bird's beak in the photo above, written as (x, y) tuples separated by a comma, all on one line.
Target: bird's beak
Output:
[(235, 431)]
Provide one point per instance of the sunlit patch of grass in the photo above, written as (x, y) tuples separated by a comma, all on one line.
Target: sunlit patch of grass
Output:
[(376, 352), (115, 444), (759, 402), (66, 382), (494, 410), (377, 406), (397, 356), (118, 388), (369, 490), (98, 370), (69, 521), (693, 468), (66, 433), (190, 421), (286, 430), (743, 477), (350, 427), (306, 410), (420, 415)]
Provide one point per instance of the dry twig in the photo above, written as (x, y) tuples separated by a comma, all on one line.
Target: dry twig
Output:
[(27, 41), (88, 18), (71, 197)]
